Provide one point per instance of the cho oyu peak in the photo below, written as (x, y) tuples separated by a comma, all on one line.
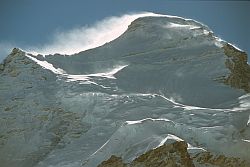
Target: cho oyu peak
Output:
[(164, 79)]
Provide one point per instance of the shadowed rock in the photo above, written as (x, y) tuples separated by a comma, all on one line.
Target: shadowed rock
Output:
[(240, 70), (165, 156), (208, 159), (113, 161), (176, 155)]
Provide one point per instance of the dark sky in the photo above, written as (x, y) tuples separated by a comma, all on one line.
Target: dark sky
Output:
[(33, 22)]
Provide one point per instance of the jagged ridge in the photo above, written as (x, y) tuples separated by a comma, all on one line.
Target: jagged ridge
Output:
[(175, 155)]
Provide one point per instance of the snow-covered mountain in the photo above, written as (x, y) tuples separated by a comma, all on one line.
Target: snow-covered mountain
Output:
[(166, 78)]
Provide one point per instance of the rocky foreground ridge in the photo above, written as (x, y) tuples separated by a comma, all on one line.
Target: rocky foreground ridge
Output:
[(176, 155)]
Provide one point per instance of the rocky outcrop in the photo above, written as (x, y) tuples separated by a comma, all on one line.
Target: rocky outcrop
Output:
[(166, 156), (113, 161), (9, 65), (176, 155), (240, 70), (208, 159)]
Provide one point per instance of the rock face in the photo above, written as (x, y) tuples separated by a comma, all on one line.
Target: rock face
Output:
[(165, 79), (240, 70), (208, 159), (175, 155), (32, 121), (9, 66), (165, 156), (113, 161)]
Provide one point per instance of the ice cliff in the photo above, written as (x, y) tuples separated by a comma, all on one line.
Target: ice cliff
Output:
[(165, 79)]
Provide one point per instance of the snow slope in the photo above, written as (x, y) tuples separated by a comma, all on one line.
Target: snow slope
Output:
[(161, 80)]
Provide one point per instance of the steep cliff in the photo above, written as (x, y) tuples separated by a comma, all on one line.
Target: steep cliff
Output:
[(240, 70)]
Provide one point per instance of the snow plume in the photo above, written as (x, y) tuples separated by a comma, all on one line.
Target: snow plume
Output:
[(87, 37)]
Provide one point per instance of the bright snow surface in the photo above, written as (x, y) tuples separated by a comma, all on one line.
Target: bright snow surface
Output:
[(155, 83)]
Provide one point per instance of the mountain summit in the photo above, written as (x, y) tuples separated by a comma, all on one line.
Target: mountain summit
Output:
[(165, 79)]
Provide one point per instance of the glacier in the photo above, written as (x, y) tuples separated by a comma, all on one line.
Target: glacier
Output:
[(164, 79)]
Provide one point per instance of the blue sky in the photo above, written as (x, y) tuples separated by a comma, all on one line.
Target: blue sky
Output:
[(34, 22)]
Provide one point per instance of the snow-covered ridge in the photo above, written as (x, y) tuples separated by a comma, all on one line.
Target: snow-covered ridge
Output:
[(84, 38), (81, 39), (46, 65), (109, 74), (126, 22)]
